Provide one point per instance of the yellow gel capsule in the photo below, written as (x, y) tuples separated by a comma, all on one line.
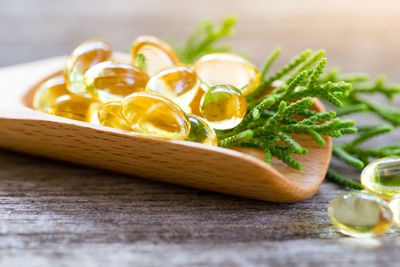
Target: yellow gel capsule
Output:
[(155, 115), (110, 114), (158, 54), (360, 214), (179, 84), (382, 177), (48, 92), (113, 81), (394, 205), (77, 107), (224, 68), (201, 132), (223, 106), (84, 56)]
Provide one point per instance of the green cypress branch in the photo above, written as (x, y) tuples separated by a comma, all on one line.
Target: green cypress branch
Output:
[(271, 119), (269, 61), (366, 135), (343, 181), (204, 38), (307, 64), (316, 74), (316, 136), (348, 109), (340, 153), (236, 139), (292, 144), (140, 61), (279, 74), (388, 113)]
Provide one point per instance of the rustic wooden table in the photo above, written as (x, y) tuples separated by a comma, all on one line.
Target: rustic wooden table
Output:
[(53, 213)]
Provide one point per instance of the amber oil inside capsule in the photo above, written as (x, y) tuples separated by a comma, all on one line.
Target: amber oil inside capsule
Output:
[(201, 132), (225, 68), (360, 214), (155, 115), (158, 54), (382, 177), (113, 81), (223, 106), (84, 56), (178, 83), (48, 92), (110, 114), (77, 107)]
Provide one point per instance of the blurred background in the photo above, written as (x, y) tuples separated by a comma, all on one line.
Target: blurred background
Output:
[(358, 35)]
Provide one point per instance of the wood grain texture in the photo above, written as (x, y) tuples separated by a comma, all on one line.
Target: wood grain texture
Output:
[(58, 214)]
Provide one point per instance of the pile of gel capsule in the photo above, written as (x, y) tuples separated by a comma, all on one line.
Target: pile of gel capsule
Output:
[(370, 212), (157, 96)]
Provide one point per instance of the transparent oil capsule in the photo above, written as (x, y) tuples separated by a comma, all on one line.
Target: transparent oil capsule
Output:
[(224, 68), (223, 106), (158, 54), (155, 115), (113, 81), (110, 114), (84, 56), (360, 214), (179, 84), (382, 177), (201, 132), (77, 107), (394, 205), (48, 92)]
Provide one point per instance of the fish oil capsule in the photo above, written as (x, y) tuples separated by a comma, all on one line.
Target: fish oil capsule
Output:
[(225, 68), (223, 106), (382, 177), (178, 83), (360, 214), (110, 114), (113, 81), (155, 115), (76, 107), (48, 92), (394, 205), (201, 132), (84, 56), (158, 54)]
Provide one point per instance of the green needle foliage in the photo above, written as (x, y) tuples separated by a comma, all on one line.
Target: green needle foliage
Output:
[(358, 101), (342, 180), (271, 120), (140, 61), (204, 39)]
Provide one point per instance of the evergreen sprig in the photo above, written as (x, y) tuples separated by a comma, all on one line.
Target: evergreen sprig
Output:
[(204, 39), (342, 180), (272, 120), (140, 61), (359, 101)]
